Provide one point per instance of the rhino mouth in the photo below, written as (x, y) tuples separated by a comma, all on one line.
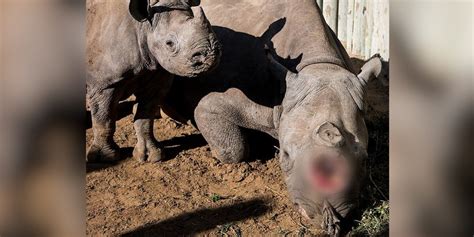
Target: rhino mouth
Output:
[(329, 174)]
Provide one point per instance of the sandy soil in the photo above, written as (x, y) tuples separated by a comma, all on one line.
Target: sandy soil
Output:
[(191, 193)]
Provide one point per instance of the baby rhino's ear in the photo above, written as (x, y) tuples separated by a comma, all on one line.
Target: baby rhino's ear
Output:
[(371, 69), (194, 3), (191, 3), (140, 9)]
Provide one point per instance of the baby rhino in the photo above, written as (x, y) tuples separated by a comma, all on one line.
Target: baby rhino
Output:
[(135, 46)]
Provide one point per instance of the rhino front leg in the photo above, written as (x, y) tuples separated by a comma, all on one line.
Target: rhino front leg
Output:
[(103, 106), (221, 116)]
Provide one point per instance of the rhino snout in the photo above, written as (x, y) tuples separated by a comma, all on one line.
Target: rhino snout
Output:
[(329, 173), (198, 58), (206, 57)]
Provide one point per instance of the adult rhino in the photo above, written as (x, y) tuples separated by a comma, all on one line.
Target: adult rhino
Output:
[(135, 46), (309, 98)]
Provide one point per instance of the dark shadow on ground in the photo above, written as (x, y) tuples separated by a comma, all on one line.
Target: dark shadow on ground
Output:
[(176, 145), (198, 221), (172, 147), (261, 146)]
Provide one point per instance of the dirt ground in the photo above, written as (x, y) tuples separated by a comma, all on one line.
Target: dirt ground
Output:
[(191, 193)]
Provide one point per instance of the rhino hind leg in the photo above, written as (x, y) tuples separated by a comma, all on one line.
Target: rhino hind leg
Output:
[(103, 106), (221, 118), (149, 96)]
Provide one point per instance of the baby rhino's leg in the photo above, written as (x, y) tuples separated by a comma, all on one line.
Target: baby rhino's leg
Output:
[(221, 116), (149, 97), (147, 147), (103, 105)]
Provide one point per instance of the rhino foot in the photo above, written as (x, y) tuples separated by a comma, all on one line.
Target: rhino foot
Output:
[(148, 151), (103, 153)]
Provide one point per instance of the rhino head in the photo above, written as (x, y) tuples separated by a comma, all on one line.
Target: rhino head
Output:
[(323, 138), (177, 35)]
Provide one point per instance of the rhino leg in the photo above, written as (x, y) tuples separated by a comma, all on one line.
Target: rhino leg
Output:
[(103, 106), (147, 147), (221, 116), (149, 97)]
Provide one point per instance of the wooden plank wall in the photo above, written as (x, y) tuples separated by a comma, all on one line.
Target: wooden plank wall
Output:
[(361, 25)]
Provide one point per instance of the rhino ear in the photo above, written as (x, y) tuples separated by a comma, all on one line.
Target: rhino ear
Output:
[(371, 69), (141, 9), (328, 135), (194, 3)]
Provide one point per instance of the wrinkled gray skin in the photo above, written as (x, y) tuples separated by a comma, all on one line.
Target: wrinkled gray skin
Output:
[(321, 116), (135, 47), (315, 109)]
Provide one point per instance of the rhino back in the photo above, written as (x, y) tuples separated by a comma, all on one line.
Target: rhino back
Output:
[(294, 28), (303, 33), (112, 42)]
